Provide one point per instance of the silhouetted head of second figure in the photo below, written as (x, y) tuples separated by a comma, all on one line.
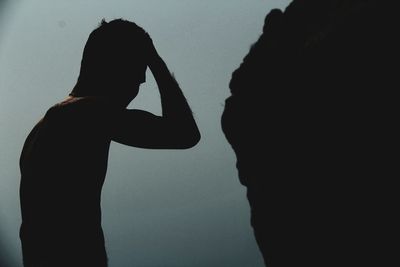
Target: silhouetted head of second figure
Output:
[(114, 61)]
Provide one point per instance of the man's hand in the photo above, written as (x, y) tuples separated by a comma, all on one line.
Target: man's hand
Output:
[(153, 56)]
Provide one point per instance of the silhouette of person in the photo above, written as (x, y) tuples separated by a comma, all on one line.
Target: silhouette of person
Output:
[(310, 120), (64, 159)]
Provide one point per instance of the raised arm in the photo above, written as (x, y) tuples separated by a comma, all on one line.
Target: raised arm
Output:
[(175, 129)]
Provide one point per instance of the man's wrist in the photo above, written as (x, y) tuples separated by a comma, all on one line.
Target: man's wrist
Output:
[(156, 62), (154, 58)]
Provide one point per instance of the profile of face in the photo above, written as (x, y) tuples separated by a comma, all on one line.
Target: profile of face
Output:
[(123, 79)]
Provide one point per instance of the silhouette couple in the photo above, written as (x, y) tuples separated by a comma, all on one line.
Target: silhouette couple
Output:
[(308, 119)]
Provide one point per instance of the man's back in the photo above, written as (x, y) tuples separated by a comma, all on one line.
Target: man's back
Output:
[(63, 166)]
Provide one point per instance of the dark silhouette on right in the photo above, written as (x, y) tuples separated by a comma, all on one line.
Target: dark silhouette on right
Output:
[(311, 120)]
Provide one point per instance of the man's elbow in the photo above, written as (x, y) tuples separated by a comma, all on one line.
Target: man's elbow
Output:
[(196, 138), (190, 140)]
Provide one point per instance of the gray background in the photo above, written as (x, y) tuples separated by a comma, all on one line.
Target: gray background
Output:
[(160, 208)]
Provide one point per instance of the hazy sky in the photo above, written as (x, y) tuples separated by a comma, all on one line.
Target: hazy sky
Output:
[(160, 208)]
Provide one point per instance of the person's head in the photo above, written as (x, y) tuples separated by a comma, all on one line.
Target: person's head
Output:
[(114, 61)]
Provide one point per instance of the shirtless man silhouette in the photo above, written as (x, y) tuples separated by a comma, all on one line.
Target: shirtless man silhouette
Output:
[(64, 159)]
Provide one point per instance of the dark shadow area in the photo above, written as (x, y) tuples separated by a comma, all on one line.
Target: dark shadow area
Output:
[(64, 158), (312, 121), (3, 5), (3, 261), (6, 260)]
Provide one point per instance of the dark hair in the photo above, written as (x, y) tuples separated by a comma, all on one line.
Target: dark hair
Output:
[(112, 49)]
